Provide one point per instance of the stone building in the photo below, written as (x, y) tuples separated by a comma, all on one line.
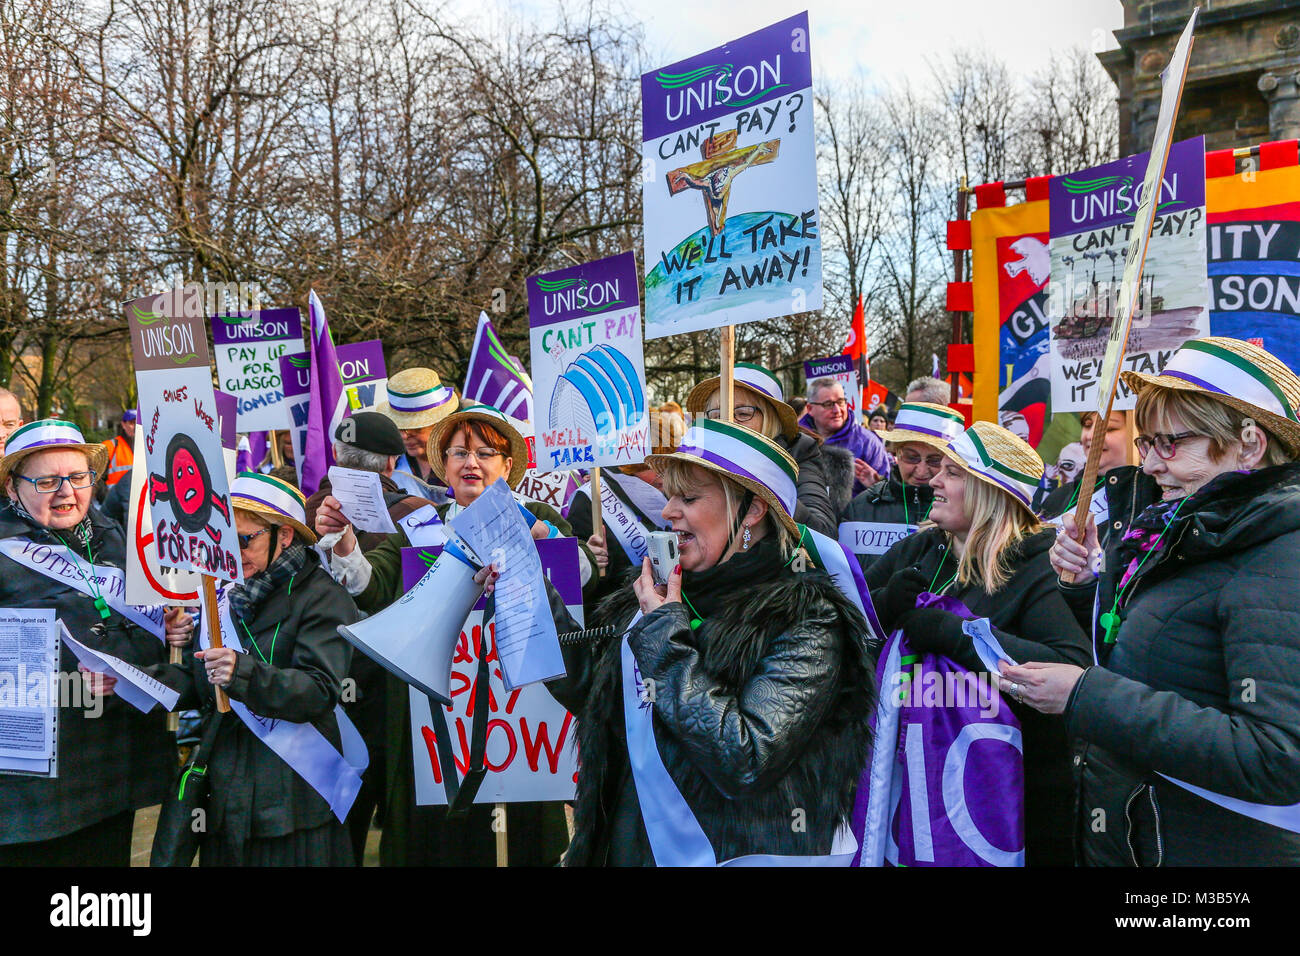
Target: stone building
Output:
[(1243, 84)]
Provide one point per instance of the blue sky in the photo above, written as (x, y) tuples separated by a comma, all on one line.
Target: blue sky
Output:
[(883, 39)]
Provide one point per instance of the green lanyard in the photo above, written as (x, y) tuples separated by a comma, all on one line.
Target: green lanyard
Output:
[(1075, 497), (100, 604), (936, 576), (1112, 619), (274, 634), (696, 618)]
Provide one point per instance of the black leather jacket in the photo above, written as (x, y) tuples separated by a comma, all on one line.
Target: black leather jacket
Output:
[(759, 713)]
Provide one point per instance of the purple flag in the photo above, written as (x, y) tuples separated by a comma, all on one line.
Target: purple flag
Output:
[(945, 784), (328, 400), (496, 379)]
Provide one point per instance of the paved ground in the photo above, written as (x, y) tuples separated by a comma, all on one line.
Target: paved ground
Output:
[(147, 820)]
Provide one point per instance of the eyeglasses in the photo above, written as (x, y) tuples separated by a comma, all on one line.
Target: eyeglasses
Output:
[(1166, 446), (740, 414), (912, 458), (49, 484), (833, 403), (461, 455), (246, 539)]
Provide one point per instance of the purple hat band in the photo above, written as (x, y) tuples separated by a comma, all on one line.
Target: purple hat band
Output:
[(419, 408), (731, 467), (921, 429)]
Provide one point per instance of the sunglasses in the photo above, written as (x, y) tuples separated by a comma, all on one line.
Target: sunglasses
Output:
[(246, 539)]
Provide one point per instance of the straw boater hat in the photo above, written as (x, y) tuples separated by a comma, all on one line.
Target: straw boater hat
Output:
[(933, 425), (489, 416), (417, 399), (996, 456), (49, 434), (756, 379), (277, 500), (744, 456), (1240, 375)]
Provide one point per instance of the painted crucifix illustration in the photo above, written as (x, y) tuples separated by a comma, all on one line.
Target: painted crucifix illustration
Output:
[(717, 171)]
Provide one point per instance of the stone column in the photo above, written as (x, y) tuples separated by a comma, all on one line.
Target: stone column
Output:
[(1282, 92)]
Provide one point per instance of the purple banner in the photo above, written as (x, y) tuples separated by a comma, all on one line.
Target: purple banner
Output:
[(256, 326), (587, 289), (1108, 195), (227, 411), (295, 375), (559, 558), (361, 362), (762, 66), (834, 365), (496, 378)]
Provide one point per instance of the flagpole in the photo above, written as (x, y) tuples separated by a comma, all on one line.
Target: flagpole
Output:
[(503, 842), (728, 363), (597, 518), (1131, 284)]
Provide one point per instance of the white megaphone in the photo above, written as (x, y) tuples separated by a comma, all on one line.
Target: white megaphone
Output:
[(415, 637)]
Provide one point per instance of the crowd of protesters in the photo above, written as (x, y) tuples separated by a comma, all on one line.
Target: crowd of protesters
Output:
[(1149, 653)]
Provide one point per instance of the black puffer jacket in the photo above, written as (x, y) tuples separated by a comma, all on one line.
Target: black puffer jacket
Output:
[(825, 480), (761, 711), (1203, 685), (1031, 621), (890, 502), (255, 794), (109, 762)]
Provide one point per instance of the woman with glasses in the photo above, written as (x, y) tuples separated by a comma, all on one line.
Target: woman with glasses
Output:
[(283, 664), (825, 471), (469, 449), (918, 442), (1191, 723), (58, 552), (988, 551)]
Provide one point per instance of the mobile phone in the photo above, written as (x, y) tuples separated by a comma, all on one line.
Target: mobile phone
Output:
[(662, 548)]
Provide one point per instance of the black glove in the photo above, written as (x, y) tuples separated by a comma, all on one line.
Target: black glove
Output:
[(898, 596), (934, 629)]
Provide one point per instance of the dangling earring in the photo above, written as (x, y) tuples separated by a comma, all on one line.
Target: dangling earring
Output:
[(744, 540)]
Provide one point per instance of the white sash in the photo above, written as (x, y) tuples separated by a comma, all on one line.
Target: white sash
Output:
[(55, 562), (676, 838), (627, 524), (336, 777)]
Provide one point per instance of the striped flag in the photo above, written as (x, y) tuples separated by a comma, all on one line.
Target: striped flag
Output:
[(329, 404), (495, 378)]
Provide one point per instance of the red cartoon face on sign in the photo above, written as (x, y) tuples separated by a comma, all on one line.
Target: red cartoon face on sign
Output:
[(188, 486)]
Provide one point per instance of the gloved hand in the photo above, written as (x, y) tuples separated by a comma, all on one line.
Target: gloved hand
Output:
[(934, 629), (898, 596)]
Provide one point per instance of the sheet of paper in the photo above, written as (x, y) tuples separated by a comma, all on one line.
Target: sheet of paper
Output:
[(133, 685), (527, 644), (29, 662), (362, 497)]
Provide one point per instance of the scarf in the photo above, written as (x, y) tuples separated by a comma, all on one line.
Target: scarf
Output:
[(247, 598), (710, 591), (79, 537)]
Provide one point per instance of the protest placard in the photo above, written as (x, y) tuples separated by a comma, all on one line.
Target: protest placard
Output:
[(844, 370), (295, 378), (249, 346), (361, 365), (732, 233), (1091, 221), (193, 523), (588, 365), (531, 752)]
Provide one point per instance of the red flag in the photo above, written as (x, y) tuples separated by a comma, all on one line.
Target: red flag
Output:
[(856, 349)]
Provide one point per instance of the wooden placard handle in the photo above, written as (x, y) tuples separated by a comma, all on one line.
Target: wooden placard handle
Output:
[(214, 632), (597, 517)]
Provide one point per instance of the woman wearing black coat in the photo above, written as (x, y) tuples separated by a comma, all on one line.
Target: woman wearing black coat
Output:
[(1190, 729), (825, 471), (753, 681), (286, 614), (989, 551), (112, 759)]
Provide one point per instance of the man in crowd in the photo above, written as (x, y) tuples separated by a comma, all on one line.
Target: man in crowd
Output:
[(929, 389), (417, 400), (11, 415), (828, 415), (121, 449)]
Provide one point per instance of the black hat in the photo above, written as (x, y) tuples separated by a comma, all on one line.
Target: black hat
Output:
[(371, 431)]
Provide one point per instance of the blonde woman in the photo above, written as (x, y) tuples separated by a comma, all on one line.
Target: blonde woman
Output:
[(989, 551)]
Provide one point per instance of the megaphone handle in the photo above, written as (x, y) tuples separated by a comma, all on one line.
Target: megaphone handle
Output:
[(460, 801)]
